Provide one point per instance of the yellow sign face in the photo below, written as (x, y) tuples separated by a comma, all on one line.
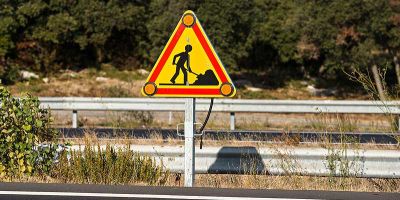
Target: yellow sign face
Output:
[(188, 66)]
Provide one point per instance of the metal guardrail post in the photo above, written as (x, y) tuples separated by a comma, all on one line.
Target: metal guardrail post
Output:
[(74, 119), (170, 118), (397, 122), (232, 119)]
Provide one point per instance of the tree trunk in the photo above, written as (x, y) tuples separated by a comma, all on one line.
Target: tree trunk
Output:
[(397, 68), (99, 55), (378, 82)]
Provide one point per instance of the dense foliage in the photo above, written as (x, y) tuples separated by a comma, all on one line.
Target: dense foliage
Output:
[(302, 38), (23, 125), (109, 165)]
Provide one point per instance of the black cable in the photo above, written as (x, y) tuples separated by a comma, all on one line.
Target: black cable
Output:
[(205, 122)]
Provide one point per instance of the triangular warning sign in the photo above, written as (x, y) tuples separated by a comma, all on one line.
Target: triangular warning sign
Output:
[(188, 66)]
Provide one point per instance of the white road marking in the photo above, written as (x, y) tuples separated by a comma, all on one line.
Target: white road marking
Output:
[(147, 196)]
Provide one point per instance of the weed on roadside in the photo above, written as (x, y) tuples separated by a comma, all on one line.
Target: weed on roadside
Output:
[(94, 165)]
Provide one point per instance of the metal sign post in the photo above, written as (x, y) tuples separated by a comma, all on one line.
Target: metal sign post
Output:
[(190, 107)]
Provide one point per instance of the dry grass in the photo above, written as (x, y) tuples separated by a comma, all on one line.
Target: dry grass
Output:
[(126, 83), (244, 121), (292, 89), (290, 142), (264, 182), (92, 164), (94, 174), (236, 143), (297, 183)]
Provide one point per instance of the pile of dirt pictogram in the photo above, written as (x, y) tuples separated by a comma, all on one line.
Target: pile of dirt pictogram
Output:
[(208, 78)]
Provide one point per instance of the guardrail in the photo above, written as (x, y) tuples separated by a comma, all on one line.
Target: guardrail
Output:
[(277, 161), (231, 106)]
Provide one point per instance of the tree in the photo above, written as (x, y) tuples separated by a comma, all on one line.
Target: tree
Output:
[(228, 25), (162, 19), (48, 35), (351, 34)]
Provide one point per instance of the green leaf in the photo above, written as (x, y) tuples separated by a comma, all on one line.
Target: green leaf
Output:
[(39, 123), (7, 130), (27, 127), (20, 155)]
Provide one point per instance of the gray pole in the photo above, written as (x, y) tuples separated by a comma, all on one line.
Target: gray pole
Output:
[(170, 118), (189, 141), (74, 119), (232, 121)]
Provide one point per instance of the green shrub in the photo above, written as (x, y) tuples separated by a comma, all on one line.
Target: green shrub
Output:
[(9, 74), (95, 165), (23, 126)]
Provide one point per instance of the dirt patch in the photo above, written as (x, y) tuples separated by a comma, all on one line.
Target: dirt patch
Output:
[(83, 84)]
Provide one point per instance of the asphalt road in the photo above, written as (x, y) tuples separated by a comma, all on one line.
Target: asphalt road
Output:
[(32, 191)]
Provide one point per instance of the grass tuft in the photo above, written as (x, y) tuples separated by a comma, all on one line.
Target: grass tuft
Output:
[(95, 165)]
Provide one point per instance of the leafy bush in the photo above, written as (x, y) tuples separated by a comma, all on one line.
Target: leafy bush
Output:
[(9, 74), (23, 125)]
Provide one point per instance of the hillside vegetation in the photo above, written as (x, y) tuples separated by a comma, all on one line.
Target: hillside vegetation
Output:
[(278, 41)]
